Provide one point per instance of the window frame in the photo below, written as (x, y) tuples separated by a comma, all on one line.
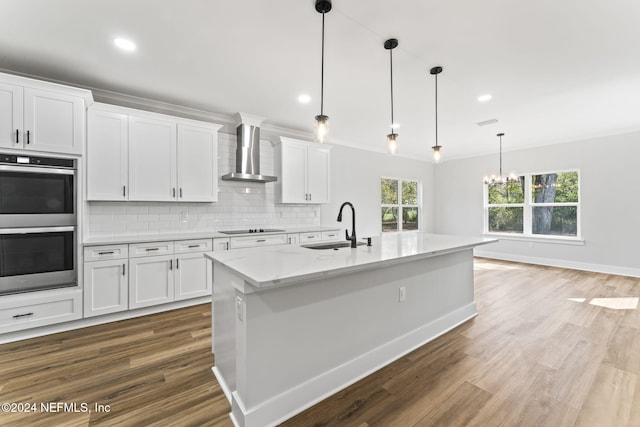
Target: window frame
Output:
[(400, 205), (527, 215)]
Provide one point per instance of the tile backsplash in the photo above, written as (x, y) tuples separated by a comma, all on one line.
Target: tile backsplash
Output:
[(240, 205)]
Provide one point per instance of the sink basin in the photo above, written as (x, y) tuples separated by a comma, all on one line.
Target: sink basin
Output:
[(331, 245)]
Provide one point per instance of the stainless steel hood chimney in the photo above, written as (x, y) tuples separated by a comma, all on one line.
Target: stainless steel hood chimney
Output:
[(248, 151)]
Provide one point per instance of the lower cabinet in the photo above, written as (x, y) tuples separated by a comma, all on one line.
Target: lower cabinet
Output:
[(123, 277), (33, 309), (106, 280)]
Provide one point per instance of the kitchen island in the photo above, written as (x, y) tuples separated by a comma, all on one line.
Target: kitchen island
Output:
[(293, 325)]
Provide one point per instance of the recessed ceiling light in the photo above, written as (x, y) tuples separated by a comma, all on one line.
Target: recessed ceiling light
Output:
[(304, 99), (124, 44), (484, 98)]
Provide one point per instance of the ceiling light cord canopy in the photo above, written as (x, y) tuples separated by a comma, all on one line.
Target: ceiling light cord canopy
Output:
[(437, 149), (322, 125), (500, 179), (392, 138)]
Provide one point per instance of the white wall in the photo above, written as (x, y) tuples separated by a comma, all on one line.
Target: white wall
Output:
[(610, 205), (355, 177)]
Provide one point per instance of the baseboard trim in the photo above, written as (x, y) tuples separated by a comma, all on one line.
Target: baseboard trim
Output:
[(295, 400), (550, 262)]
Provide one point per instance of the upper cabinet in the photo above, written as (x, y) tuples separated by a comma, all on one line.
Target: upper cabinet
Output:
[(41, 116), (140, 156), (303, 172)]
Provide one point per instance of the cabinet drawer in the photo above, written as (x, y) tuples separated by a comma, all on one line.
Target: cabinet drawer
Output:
[(310, 237), (201, 245), (250, 241), (150, 249), (96, 253), (331, 235), (35, 309)]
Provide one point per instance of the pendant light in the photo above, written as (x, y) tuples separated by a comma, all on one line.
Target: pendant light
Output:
[(322, 127), (500, 179), (392, 138), (437, 153)]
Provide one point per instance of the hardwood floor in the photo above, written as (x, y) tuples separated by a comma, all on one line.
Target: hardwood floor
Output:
[(549, 347)]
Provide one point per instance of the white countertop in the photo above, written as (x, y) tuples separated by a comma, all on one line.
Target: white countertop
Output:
[(272, 266), (125, 239)]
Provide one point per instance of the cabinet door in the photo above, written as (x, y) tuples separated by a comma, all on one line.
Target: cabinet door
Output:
[(197, 164), (293, 239), (53, 121), (105, 287), (193, 276), (318, 174), (294, 186), (107, 154), (150, 281), (152, 159), (10, 116), (221, 244)]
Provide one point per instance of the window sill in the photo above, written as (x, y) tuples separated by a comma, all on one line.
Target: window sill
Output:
[(553, 240)]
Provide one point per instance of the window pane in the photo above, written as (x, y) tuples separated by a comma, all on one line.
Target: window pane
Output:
[(389, 219), (505, 220), (410, 218), (389, 191), (511, 192), (555, 220), (555, 187), (409, 193)]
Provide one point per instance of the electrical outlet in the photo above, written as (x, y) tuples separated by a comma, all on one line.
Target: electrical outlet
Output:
[(239, 308), (402, 294)]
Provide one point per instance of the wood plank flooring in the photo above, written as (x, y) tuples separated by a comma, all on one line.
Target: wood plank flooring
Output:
[(550, 347)]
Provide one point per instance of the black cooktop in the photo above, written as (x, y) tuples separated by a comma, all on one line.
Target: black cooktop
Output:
[(253, 230)]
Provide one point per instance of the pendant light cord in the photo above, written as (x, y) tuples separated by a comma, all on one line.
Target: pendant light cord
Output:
[(391, 66), (500, 156), (436, 110), (322, 72)]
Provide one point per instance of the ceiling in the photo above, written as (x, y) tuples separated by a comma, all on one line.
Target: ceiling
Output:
[(557, 70)]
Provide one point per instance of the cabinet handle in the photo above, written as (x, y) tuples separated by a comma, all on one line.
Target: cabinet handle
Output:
[(193, 246), (17, 136), (309, 196), (174, 191), (18, 316), (180, 192), (124, 191), (28, 134), (170, 264), (152, 249), (260, 240), (227, 245), (106, 253), (177, 264), (306, 196), (123, 270), (289, 239)]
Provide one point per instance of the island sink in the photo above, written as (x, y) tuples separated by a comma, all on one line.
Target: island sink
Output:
[(334, 245)]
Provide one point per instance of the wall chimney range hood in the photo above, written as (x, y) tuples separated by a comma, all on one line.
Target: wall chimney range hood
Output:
[(248, 151)]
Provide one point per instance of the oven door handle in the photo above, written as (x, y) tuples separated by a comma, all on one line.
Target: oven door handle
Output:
[(31, 230), (37, 169)]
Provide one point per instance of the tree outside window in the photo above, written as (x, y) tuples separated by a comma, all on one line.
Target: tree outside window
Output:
[(400, 201)]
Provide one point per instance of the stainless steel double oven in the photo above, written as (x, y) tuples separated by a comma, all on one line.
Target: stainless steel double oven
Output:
[(38, 223)]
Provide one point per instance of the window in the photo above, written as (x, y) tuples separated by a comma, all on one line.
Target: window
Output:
[(400, 199), (541, 204)]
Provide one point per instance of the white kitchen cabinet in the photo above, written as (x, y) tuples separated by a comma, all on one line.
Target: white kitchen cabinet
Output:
[(40, 116), (221, 244), (107, 155), (151, 280), (262, 240), (106, 280), (193, 271), (151, 157), (303, 170), (33, 309), (197, 159), (293, 239)]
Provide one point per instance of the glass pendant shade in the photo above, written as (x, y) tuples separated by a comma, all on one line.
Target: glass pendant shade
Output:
[(437, 153), (322, 127), (392, 143)]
